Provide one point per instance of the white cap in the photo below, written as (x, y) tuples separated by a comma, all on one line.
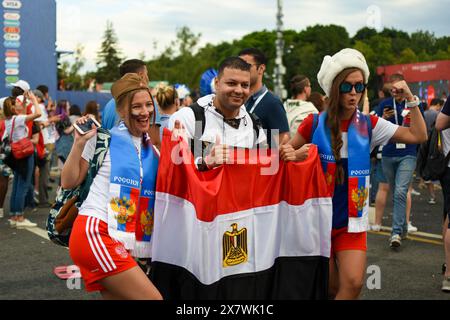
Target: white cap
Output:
[(344, 59), (22, 84)]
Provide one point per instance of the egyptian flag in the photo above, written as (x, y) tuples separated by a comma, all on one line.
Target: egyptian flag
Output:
[(251, 230)]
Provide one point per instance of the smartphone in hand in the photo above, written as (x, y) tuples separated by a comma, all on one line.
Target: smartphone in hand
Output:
[(87, 126)]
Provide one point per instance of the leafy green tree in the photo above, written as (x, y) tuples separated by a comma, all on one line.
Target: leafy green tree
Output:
[(109, 56)]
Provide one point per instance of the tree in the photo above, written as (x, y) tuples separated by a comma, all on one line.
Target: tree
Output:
[(109, 56), (70, 72)]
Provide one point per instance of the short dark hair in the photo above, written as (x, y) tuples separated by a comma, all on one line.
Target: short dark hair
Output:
[(233, 63), (298, 84), (42, 88), (131, 66), (75, 110), (16, 91), (396, 77), (257, 54)]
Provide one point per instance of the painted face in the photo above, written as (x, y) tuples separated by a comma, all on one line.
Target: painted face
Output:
[(349, 101), (138, 118), (255, 70), (232, 88)]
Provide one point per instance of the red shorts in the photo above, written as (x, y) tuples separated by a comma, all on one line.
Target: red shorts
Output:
[(96, 254), (342, 240)]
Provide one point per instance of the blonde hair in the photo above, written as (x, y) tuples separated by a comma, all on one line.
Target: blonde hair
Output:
[(166, 97)]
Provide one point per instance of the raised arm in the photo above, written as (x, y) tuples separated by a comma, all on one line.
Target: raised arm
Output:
[(76, 168)]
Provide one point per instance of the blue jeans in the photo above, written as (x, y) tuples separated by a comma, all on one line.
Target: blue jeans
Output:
[(399, 172), (21, 186)]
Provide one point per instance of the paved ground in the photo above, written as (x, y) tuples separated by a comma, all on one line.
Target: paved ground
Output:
[(27, 261)]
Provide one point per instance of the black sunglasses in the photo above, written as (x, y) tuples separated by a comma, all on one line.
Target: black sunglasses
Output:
[(347, 87)]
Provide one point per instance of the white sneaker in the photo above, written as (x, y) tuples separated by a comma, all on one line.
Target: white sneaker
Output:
[(395, 241), (415, 193), (375, 227), (25, 224), (411, 228)]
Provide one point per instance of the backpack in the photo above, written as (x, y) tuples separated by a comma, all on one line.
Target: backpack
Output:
[(431, 160), (296, 112), (65, 210), (199, 114)]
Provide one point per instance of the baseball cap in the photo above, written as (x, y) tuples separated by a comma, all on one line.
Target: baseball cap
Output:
[(22, 84)]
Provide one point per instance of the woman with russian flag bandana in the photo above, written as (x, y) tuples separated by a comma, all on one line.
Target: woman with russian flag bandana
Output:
[(115, 223), (345, 137)]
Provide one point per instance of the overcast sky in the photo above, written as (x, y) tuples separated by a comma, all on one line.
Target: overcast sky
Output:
[(142, 24)]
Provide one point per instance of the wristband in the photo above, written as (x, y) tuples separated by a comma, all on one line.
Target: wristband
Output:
[(413, 103)]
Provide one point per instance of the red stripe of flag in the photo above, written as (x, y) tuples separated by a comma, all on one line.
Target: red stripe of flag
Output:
[(234, 187)]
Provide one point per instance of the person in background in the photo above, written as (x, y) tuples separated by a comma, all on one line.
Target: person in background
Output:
[(75, 113), (399, 159), (168, 103), (298, 108), (264, 103), (15, 114), (91, 108), (5, 170), (318, 100)]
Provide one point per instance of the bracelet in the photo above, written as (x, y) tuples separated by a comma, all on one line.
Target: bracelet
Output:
[(413, 103)]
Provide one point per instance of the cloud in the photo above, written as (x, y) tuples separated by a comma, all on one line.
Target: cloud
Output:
[(139, 24)]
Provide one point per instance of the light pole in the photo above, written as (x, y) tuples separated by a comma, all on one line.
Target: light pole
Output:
[(279, 69)]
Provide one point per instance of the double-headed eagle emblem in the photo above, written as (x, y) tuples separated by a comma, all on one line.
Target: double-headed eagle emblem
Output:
[(359, 197), (124, 208)]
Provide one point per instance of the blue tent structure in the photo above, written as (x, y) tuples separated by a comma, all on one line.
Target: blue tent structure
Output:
[(28, 49)]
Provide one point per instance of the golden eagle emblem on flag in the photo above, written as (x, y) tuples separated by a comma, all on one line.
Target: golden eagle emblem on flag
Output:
[(234, 246), (359, 197), (124, 208)]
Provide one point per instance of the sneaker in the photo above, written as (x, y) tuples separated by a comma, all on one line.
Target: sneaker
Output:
[(375, 227), (446, 284), (415, 193), (395, 241), (25, 224), (12, 223), (432, 201), (2, 214), (411, 228)]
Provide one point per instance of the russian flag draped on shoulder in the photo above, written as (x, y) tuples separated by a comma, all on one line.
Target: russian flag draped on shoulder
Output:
[(234, 233)]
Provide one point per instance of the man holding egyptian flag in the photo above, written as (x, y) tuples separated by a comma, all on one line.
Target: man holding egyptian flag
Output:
[(243, 230)]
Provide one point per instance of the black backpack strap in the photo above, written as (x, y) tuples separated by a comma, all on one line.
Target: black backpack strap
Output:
[(200, 123), (369, 127), (257, 125)]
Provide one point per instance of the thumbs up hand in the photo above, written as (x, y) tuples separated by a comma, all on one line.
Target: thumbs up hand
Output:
[(220, 154)]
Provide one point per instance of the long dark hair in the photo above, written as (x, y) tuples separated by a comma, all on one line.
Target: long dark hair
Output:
[(334, 121)]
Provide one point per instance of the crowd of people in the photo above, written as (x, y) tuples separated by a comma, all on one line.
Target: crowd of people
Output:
[(372, 149)]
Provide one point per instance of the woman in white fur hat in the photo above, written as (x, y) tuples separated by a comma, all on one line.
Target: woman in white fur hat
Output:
[(344, 138)]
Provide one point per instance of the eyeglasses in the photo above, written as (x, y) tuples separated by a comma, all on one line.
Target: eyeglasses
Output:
[(347, 87)]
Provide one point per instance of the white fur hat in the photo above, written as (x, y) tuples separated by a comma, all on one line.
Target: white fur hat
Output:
[(344, 59)]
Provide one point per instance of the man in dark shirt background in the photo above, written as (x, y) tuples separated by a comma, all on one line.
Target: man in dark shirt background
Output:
[(262, 102)]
